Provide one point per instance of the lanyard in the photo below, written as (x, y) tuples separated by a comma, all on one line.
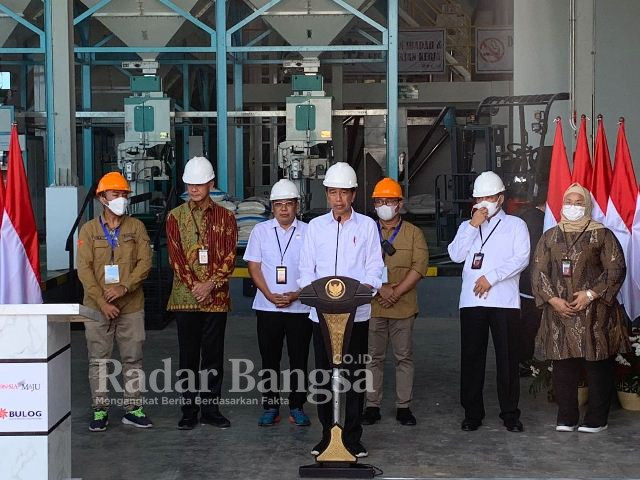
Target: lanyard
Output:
[(564, 235), (393, 235), (195, 224), (282, 254), (112, 237), (491, 233)]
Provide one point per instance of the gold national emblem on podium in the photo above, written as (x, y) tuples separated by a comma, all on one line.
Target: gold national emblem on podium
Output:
[(335, 288)]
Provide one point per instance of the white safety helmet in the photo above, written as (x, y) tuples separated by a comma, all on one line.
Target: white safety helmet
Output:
[(284, 189), (487, 184), (340, 175), (198, 171)]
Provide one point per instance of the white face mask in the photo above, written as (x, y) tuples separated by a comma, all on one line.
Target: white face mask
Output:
[(385, 212), (573, 212), (118, 206), (492, 207)]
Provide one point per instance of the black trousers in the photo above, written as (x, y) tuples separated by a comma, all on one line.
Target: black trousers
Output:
[(475, 323), (530, 317), (355, 372), (566, 375), (273, 327), (201, 342)]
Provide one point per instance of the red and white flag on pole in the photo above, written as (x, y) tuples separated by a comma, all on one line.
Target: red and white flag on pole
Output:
[(634, 260), (602, 173), (582, 169), (620, 212), (559, 179), (19, 250)]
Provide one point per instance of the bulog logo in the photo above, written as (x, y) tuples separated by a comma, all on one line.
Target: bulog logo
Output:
[(20, 414)]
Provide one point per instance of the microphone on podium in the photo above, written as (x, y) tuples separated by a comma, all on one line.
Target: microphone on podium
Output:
[(335, 272)]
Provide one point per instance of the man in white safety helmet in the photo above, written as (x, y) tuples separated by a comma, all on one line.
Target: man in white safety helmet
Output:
[(356, 254), (273, 255), (494, 247), (201, 238)]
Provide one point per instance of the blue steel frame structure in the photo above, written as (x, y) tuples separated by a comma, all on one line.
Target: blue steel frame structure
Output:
[(222, 42)]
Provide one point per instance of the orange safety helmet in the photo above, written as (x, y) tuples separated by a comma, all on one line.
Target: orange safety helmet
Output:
[(387, 188), (113, 181)]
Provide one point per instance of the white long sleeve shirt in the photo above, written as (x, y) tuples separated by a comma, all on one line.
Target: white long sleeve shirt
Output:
[(359, 254), (263, 248), (506, 254)]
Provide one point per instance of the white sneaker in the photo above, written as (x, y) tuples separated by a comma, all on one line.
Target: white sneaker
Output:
[(566, 428), (588, 429)]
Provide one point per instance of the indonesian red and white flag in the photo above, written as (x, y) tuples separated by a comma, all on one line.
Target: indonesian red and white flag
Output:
[(582, 169), (19, 250), (621, 211), (559, 179), (634, 259), (602, 173)]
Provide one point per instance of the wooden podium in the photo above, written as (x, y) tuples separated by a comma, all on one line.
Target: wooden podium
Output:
[(336, 300), (35, 389)]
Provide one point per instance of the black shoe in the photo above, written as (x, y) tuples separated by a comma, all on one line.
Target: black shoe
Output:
[(405, 417), (188, 421), (469, 425), (216, 419), (320, 447), (358, 450), (99, 420), (370, 416), (514, 426)]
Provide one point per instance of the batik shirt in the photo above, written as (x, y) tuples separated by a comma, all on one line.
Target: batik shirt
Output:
[(190, 229)]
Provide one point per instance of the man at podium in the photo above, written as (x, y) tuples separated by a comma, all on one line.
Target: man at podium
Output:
[(342, 242), (114, 258)]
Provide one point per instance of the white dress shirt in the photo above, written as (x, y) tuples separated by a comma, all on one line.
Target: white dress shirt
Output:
[(359, 254), (506, 254), (263, 248)]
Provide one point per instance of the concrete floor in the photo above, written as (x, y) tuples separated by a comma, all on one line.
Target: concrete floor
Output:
[(435, 448)]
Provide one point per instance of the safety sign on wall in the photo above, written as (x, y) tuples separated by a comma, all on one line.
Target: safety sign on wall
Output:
[(421, 51), (494, 50)]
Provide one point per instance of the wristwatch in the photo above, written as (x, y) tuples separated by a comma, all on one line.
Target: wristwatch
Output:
[(590, 296)]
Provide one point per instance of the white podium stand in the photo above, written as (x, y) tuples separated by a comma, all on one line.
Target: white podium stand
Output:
[(35, 389)]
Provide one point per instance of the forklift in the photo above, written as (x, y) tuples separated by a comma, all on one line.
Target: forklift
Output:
[(481, 145)]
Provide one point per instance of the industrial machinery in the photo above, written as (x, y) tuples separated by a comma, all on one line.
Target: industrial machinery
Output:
[(307, 151), (146, 154)]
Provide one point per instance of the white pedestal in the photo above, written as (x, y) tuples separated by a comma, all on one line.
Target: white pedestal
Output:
[(35, 389)]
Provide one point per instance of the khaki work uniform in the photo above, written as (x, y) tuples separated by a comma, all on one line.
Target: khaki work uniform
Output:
[(133, 257), (396, 323)]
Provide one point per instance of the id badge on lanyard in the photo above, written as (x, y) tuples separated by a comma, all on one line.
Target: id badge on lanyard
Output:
[(281, 275), (111, 271), (478, 258), (203, 256), (281, 270), (567, 267), (476, 263), (111, 274)]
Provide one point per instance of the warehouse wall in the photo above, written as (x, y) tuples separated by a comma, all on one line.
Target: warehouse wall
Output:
[(541, 57), (607, 62), (617, 63)]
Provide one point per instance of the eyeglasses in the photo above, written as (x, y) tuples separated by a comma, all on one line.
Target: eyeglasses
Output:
[(392, 202), (283, 205)]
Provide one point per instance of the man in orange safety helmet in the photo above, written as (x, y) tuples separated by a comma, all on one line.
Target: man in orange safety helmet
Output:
[(114, 258), (395, 307)]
